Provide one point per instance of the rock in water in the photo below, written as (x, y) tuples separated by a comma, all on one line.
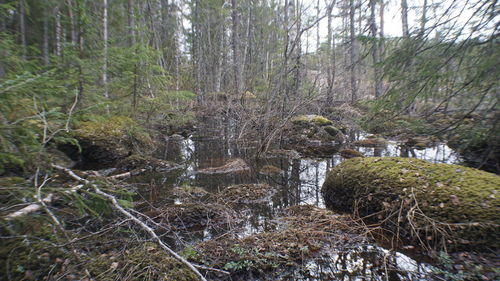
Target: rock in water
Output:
[(235, 165), (350, 153), (436, 204)]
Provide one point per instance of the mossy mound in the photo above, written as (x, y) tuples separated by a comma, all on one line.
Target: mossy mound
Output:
[(371, 141), (31, 256), (313, 135), (143, 262), (270, 170), (188, 193), (421, 142), (350, 153), (439, 204), (108, 140), (149, 163), (317, 120), (247, 193)]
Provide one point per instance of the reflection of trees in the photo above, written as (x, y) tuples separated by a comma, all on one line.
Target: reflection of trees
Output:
[(295, 182)]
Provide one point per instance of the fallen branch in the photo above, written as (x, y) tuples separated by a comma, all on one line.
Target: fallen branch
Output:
[(30, 208), (128, 174), (122, 210)]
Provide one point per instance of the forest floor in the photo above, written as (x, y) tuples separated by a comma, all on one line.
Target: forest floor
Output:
[(235, 216)]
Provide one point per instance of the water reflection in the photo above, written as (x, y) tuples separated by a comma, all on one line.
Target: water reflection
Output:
[(299, 183)]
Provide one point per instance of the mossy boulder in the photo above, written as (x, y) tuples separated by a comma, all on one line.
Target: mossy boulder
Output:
[(332, 130), (313, 135), (350, 153), (439, 204), (149, 163), (105, 141), (371, 141), (317, 120)]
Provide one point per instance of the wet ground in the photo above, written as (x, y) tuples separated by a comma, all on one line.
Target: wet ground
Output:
[(297, 181)]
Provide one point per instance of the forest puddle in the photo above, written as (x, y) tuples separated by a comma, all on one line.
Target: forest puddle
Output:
[(291, 181)]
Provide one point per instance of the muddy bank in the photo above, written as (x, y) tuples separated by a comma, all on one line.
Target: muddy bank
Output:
[(437, 205)]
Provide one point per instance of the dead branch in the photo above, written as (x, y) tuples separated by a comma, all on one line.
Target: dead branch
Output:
[(122, 210), (30, 208)]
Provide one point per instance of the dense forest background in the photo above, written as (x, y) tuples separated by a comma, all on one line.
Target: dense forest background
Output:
[(155, 61)]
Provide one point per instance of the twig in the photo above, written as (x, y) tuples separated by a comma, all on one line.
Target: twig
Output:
[(122, 210)]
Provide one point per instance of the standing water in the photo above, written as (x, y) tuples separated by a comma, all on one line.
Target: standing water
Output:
[(297, 180)]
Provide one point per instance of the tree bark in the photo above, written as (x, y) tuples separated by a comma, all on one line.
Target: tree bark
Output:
[(375, 50), (22, 29), (331, 58), (238, 78), (45, 44), (381, 32), (423, 20), (404, 18), (58, 32), (352, 52), (74, 37), (105, 51)]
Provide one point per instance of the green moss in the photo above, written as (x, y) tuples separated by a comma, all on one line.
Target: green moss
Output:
[(143, 262), (331, 130), (31, 257), (350, 153), (311, 119), (321, 121), (106, 140), (371, 142), (461, 202), (119, 128)]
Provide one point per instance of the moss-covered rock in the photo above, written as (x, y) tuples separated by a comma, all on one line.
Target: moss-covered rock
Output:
[(149, 163), (105, 141), (317, 120), (440, 204), (313, 135), (350, 153), (371, 141), (332, 130)]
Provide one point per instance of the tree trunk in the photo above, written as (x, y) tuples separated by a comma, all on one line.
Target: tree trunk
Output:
[(74, 38), (375, 50), (105, 51), (381, 32), (58, 32), (133, 41), (404, 18), (45, 44), (352, 52), (131, 21), (331, 58), (220, 58), (22, 29), (317, 40), (423, 20), (236, 48)]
